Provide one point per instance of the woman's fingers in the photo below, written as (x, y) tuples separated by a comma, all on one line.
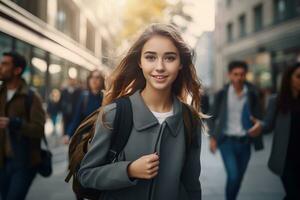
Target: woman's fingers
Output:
[(153, 170), (152, 158)]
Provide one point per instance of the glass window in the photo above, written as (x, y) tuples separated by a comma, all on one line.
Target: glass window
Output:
[(280, 9), (36, 7), (258, 17), (39, 69), (90, 39), (228, 3), (229, 32), (242, 22), (5, 43), (25, 50), (55, 72), (104, 50), (285, 9), (67, 19), (297, 7)]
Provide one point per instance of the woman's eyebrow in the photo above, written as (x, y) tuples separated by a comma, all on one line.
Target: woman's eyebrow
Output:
[(149, 52), (166, 53), (171, 53)]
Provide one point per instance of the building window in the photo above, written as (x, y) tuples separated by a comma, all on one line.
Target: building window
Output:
[(6, 43), (91, 36), (36, 7), (242, 23), (285, 9), (228, 3), (297, 7), (67, 19), (258, 17), (229, 32)]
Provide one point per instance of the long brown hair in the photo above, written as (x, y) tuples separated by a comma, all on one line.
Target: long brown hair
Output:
[(127, 78), (285, 96)]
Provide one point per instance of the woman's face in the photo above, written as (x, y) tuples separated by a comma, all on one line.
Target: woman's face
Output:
[(95, 82), (160, 63), (295, 80)]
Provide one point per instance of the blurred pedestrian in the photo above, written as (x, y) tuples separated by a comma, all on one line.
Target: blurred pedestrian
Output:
[(68, 102), (283, 118), (21, 129), (53, 107), (89, 101), (231, 118), (156, 74)]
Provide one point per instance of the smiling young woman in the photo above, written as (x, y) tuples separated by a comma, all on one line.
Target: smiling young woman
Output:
[(157, 75)]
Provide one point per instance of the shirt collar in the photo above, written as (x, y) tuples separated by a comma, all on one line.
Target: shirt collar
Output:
[(244, 91), (143, 118)]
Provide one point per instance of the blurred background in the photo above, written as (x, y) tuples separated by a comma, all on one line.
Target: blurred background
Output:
[(63, 39)]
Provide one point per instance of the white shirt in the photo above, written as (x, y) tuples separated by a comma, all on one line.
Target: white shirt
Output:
[(161, 117), (10, 94), (235, 106)]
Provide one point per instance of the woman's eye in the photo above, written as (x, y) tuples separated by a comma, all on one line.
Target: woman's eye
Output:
[(150, 58), (170, 58)]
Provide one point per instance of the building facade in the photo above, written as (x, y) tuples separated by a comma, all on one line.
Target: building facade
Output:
[(204, 58), (265, 33), (59, 38)]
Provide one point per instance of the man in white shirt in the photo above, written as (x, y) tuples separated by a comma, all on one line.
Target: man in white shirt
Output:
[(231, 114), (21, 129)]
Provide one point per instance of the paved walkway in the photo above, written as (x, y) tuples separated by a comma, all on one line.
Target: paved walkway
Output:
[(259, 183)]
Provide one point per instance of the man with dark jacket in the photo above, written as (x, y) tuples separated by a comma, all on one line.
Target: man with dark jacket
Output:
[(233, 108), (21, 129)]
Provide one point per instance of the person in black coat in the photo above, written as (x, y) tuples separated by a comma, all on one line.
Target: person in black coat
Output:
[(283, 118)]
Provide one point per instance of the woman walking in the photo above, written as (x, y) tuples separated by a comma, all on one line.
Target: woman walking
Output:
[(283, 117), (157, 75)]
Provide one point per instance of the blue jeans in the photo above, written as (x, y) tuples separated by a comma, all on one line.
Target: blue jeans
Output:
[(15, 181), (236, 156)]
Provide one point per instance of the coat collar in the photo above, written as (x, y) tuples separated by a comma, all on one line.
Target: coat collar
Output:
[(22, 90), (144, 119)]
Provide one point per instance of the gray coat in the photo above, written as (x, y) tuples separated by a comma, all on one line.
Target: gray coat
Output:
[(178, 177), (280, 124)]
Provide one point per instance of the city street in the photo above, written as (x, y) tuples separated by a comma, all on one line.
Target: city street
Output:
[(259, 182), (61, 60)]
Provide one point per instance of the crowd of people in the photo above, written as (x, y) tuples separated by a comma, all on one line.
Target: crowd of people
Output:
[(161, 156)]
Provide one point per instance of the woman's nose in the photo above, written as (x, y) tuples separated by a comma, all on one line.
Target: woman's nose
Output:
[(160, 65)]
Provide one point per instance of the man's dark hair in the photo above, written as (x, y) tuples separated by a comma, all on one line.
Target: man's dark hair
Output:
[(18, 60), (237, 64)]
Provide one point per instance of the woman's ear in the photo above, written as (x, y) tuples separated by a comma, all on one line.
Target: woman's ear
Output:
[(180, 67), (140, 64)]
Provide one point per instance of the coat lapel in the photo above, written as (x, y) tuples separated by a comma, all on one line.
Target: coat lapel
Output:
[(144, 119)]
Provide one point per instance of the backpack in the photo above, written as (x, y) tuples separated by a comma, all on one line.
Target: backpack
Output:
[(122, 127)]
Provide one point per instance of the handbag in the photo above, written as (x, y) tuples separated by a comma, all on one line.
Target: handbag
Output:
[(45, 167)]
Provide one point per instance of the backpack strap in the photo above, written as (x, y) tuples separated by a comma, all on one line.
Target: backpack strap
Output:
[(122, 128)]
